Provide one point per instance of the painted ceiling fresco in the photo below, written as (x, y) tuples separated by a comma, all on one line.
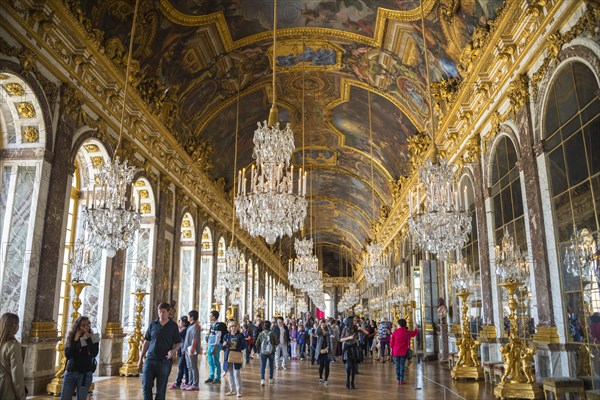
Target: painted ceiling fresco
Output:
[(198, 55)]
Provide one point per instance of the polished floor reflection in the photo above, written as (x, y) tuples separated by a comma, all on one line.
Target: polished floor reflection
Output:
[(376, 381)]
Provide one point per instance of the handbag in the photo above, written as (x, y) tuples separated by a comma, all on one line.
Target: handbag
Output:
[(409, 354), (324, 351), (235, 357)]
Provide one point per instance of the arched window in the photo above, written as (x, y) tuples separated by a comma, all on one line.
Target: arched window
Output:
[(186, 264), (571, 142), (206, 274), (507, 206), (140, 251)]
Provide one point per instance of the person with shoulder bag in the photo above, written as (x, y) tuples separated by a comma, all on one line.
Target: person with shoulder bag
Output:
[(81, 350), (350, 350), (322, 351), (266, 343), (400, 346), (12, 379), (233, 343)]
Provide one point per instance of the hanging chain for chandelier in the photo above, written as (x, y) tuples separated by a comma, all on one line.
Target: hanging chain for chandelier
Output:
[(440, 226), (233, 271), (273, 206), (375, 269), (112, 222)]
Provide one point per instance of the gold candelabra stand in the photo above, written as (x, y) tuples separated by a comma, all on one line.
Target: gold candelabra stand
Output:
[(467, 365), (130, 367), (231, 312), (396, 313), (55, 386), (518, 381)]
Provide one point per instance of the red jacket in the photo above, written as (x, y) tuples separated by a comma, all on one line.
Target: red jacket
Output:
[(401, 341)]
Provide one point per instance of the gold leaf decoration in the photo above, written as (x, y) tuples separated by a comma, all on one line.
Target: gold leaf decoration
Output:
[(3, 77), (144, 194), (187, 234), (186, 223), (14, 89), (91, 148), (30, 134), (145, 208), (98, 161), (25, 110)]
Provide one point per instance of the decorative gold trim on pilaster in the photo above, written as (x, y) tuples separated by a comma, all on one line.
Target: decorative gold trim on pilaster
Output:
[(113, 328), (546, 335), (43, 329)]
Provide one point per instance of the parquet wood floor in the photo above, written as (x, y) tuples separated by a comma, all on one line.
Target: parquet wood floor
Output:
[(300, 381)]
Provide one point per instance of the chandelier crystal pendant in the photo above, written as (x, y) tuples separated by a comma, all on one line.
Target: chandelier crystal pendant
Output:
[(511, 264), (232, 271), (272, 206), (376, 271), (141, 277), (440, 226), (463, 279), (82, 258), (304, 270), (111, 221), (581, 255)]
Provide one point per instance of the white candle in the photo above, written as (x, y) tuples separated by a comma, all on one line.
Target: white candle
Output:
[(93, 196), (244, 187), (304, 185), (466, 200), (410, 204), (418, 205), (299, 180)]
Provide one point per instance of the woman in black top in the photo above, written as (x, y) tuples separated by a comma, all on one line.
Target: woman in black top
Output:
[(350, 351), (182, 371), (81, 350), (322, 350)]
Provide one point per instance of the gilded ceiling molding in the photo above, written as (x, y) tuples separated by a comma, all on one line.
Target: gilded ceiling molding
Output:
[(218, 19), (156, 141)]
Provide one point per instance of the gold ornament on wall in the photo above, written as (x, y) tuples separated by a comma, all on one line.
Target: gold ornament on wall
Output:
[(30, 134), (91, 148), (146, 208), (97, 162), (3, 77), (143, 194), (14, 89), (25, 110)]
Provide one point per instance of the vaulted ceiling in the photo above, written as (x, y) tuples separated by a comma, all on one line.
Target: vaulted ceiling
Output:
[(334, 58)]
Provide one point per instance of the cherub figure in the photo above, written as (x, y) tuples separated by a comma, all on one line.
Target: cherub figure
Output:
[(526, 359)]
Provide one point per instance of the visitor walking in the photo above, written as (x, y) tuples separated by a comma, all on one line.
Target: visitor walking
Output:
[(283, 339), (213, 353), (350, 350), (161, 343), (234, 343), (191, 349), (400, 345), (182, 371), (266, 343), (322, 350)]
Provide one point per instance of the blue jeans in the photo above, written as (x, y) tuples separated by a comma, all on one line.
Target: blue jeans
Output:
[(214, 361), (382, 347), (248, 350), (79, 380), (263, 365), (302, 350), (159, 370), (182, 372), (400, 361)]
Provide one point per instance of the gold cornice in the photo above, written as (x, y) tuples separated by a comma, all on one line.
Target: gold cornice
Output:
[(153, 137), (218, 19)]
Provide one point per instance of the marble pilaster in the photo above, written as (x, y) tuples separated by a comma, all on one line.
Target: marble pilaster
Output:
[(535, 221), (483, 237), (160, 288)]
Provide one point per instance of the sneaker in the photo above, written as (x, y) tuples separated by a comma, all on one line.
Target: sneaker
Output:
[(326, 383), (270, 381), (239, 395), (320, 381), (174, 386), (209, 380), (216, 381), (283, 367), (192, 388), (403, 382), (262, 382), (302, 359)]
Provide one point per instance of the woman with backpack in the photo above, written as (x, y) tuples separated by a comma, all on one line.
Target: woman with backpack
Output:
[(350, 350), (266, 343), (233, 344), (400, 346), (81, 352)]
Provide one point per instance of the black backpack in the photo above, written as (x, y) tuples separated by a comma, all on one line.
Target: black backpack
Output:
[(222, 327)]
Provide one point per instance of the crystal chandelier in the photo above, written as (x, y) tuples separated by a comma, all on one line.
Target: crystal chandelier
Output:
[(141, 277), (463, 279), (235, 297), (260, 303), (440, 226), (273, 206), (111, 221), (375, 304), (220, 292), (304, 270), (232, 271), (81, 259), (301, 306), (280, 295), (581, 255), (375, 270), (511, 264)]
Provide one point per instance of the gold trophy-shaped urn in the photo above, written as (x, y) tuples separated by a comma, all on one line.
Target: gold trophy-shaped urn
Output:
[(468, 365)]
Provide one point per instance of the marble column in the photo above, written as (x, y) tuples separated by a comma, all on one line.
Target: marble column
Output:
[(528, 166), (111, 344), (40, 345), (162, 255)]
